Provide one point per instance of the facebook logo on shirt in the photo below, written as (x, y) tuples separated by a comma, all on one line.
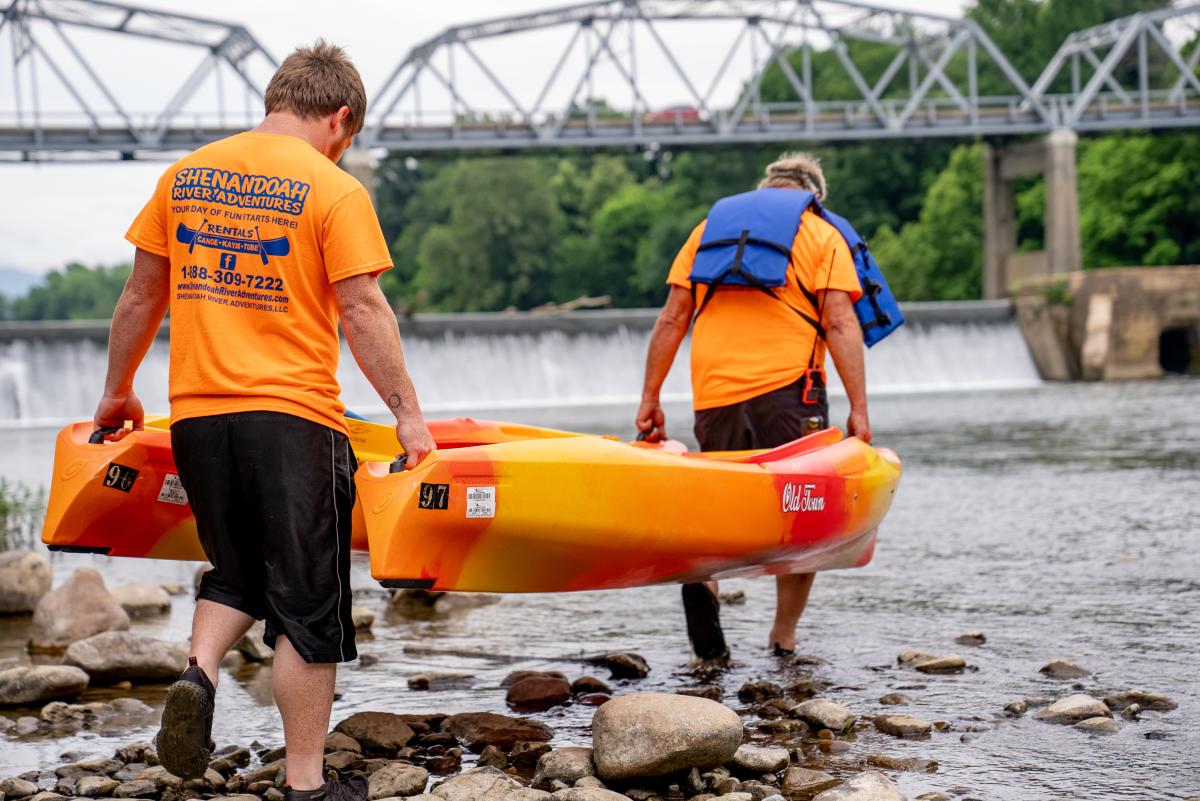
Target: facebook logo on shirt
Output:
[(228, 261)]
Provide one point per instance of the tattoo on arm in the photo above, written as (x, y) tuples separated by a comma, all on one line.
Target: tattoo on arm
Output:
[(394, 401)]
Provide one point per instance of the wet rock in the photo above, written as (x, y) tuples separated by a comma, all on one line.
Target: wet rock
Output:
[(757, 760), (1156, 702), (342, 760), (92, 786), (25, 577), (480, 784), (1073, 709), (903, 726), (47, 796), (735, 598), (17, 788), (656, 734), (1132, 712), (590, 781), (450, 602), (593, 699), (755, 692), (25, 724), (377, 732), (519, 675), (24, 685), (492, 757), (588, 794), (363, 618), (337, 741), (975, 638), (823, 713), (933, 797), (907, 764), (525, 755), (805, 783), (236, 797), (480, 729), (251, 645), (587, 685), (869, 785), (710, 691), (440, 681), (567, 765), (538, 693), (910, 655), (1016, 709), (895, 699), (81, 607), (1098, 725), (120, 655), (142, 600), (941, 664), (138, 788), (397, 779), (627, 666), (1064, 669), (74, 770)]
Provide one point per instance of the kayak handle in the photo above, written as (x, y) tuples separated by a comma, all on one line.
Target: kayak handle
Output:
[(97, 437), (641, 437), (398, 464)]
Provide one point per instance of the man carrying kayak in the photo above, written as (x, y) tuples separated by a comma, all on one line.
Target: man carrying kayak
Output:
[(758, 351), (258, 245)]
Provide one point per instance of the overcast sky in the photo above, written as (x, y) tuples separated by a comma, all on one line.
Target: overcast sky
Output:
[(55, 213)]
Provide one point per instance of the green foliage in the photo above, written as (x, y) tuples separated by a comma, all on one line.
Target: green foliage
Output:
[(74, 293), (21, 513)]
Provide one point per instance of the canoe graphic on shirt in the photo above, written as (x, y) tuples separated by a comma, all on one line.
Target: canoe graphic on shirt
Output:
[(278, 246)]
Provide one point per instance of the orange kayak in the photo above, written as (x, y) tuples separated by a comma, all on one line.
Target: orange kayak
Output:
[(581, 513)]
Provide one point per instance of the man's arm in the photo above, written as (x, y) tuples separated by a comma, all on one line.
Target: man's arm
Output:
[(669, 330), (135, 323), (844, 335), (374, 339)]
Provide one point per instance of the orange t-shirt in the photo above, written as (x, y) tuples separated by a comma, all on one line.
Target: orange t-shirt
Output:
[(258, 227), (745, 343)]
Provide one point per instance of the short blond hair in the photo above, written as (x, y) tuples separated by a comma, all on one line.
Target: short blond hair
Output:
[(795, 171), (315, 82)]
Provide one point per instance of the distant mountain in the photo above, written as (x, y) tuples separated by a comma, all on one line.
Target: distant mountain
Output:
[(14, 283)]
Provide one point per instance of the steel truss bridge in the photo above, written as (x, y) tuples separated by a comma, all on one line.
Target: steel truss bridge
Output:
[(607, 73)]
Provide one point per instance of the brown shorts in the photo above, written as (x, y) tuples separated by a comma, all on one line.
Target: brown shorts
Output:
[(766, 421)]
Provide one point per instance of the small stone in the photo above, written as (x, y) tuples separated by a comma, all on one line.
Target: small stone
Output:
[(907, 764), (491, 756), (567, 765), (755, 760), (251, 645), (869, 785), (172, 588), (911, 655), (17, 788), (1016, 709), (25, 577), (824, 713), (593, 699), (397, 779), (627, 666), (903, 726), (803, 783), (142, 600), (377, 732), (476, 784), (363, 618), (1132, 712), (88, 766), (933, 797), (755, 692), (1073, 709), (538, 693), (1155, 702), (342, 760), (586, 685), (895, 699), (25, 724), (735, 598), (24, 685), (975, 638), (941, 664), (480, 729), (1098, 725), (337, 741), (588, 794), (525, 755), (517, 675), (710, 691), (440, 681), (138, 788), (584, 782), (1064, 669)]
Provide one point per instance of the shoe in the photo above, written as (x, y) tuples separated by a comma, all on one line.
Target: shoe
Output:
[(354, 789), (703, 613), (780, 651), (184, 742)]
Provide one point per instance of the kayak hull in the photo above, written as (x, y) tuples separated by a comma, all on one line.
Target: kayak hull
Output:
[(587, 513)]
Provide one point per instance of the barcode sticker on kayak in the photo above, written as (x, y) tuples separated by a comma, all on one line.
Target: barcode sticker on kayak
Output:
[(172, 490), (481, 501)]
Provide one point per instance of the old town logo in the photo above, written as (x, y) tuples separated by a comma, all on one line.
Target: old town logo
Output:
[(802, 498)]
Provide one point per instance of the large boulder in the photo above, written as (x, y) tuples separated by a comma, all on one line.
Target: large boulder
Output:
[(141, 600), (24, 578), (377, 732), (1073, 709), (867, 786), (25, 685), (114, 656), (81, 607), (655, 734), (480, 729)]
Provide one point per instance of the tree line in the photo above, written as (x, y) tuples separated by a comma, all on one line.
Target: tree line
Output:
[(491, 233)]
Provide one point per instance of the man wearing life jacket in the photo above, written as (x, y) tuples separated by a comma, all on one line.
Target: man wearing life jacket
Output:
[(259, 245), (771, 285)]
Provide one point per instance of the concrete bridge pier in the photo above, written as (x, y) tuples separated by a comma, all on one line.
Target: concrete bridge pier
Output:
[(358, 162), (1003, 265)]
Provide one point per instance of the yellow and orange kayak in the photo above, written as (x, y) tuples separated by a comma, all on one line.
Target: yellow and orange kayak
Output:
[(581, 513)]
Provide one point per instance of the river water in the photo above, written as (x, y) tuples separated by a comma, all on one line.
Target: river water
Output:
[(1061, 520)]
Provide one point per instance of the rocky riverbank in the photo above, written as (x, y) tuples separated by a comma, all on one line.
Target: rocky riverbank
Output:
[(789, 731)]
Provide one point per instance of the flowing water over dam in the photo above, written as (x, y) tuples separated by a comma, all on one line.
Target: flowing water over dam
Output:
[(1059, 519)]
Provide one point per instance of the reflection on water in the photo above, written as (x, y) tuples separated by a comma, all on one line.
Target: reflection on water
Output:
[(1059, 520)]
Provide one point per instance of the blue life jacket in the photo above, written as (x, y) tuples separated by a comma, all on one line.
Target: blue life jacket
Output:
[(747, 242)]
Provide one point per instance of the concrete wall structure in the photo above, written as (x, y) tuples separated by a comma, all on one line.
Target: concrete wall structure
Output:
[(1054, 157), (1107, 325)]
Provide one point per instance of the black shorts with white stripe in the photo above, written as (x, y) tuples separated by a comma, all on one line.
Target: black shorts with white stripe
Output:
[(273, 496)]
